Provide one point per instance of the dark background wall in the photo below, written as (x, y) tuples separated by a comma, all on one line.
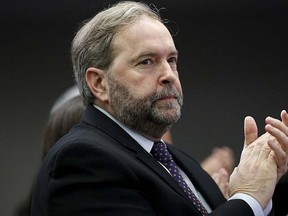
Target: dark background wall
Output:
[(233, 63)]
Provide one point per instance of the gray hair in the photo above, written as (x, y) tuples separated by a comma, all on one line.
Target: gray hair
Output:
[(92, 45)]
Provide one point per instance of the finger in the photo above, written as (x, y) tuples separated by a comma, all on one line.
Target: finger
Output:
[(280, 136), (216, 177), (280, 156), (284, 117), (279, 129), (278, 124), (221, 178), (225, 176), (250, 130)]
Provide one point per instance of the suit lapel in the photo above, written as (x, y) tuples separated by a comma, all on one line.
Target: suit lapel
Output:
[(94, 117), (161, 172)]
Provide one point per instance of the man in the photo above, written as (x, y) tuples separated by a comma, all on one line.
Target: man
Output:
[(125, 64)]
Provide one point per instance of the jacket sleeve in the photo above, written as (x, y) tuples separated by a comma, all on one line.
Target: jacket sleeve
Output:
[(235, 207)]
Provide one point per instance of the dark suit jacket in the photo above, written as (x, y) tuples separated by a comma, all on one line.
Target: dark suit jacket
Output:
[(280, 203), (98, 169)]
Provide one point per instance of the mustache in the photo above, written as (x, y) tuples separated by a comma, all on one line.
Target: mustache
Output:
[(168, 92)]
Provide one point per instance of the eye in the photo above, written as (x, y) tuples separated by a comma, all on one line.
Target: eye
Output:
[(172, 60), (146, 62)]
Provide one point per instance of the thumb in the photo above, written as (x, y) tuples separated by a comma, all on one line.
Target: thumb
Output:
[(250, 130)]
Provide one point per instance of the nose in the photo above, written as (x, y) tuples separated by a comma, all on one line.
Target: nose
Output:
[(168, 74)]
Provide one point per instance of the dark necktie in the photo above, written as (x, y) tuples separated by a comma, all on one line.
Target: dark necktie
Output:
[(160, 152)]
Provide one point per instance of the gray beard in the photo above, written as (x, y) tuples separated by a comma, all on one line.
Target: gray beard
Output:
[(145, 114)]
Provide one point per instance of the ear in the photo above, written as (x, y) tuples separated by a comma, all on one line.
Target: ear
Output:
[(97, 82)]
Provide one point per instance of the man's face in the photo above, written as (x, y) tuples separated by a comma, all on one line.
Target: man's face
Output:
[(144, 87)]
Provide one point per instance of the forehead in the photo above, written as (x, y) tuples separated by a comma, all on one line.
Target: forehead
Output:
[(144, 33)]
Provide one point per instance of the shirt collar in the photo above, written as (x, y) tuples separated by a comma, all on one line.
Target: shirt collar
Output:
[(147, 144)]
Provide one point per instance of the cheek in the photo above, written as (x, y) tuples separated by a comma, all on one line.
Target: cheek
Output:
[(143, 86), (143, 91)]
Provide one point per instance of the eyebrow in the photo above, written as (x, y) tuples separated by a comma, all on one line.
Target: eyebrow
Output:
[(150, 53)]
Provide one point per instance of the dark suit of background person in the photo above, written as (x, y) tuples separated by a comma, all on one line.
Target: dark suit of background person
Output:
[(98, 168)]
